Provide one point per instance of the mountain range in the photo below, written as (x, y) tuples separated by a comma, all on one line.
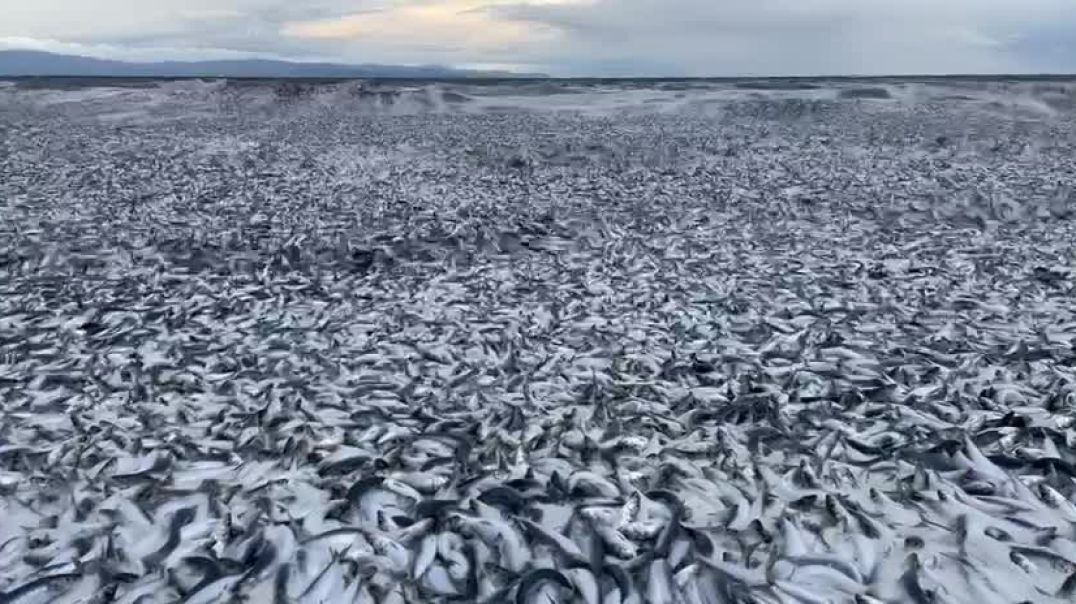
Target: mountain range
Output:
[(28, 63)]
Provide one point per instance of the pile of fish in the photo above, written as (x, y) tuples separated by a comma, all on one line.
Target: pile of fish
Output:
[(818, 354)]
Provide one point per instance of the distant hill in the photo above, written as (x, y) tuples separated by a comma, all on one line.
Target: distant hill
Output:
[(15, 63)]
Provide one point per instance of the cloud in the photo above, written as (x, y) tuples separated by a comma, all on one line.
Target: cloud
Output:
[(176, 29), (446, 31), (576, 37), (732, 37), (447, 25), (793, 37)]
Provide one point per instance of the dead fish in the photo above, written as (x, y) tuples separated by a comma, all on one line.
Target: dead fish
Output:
[(540, 585)]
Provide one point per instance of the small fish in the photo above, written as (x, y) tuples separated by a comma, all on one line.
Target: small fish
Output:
[(910, 581), (584, 584), (617, 544), (565, 546), (1022, 561), (424, 558), (533, 587), (659, 583)]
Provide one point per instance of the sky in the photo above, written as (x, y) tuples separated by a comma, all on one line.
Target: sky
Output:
[(571, 37)]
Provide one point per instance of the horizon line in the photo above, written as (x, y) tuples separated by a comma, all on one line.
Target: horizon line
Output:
[(539, 76), (478, 73)]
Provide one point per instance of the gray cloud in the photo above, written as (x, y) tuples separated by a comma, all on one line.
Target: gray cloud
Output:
[(258, 27), (579, 37), (170, 29), (710, 37)]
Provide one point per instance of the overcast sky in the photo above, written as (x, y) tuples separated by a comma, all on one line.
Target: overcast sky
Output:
[(572, 37)]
